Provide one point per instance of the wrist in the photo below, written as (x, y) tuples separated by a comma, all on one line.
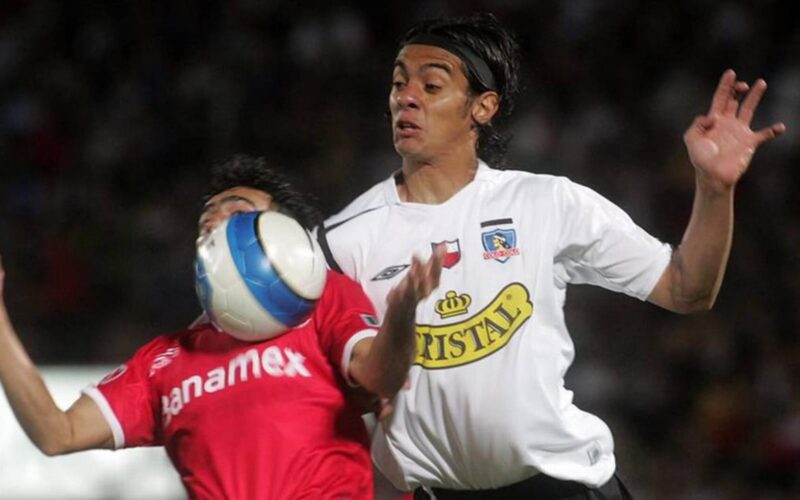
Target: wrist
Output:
[(709, 185)]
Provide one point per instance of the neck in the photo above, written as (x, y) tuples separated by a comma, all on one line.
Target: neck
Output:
[(435, 182)]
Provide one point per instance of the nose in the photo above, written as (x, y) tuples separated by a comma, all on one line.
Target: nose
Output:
[(406, 97)]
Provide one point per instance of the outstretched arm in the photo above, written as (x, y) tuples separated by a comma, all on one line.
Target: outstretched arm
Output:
[(52, 430), (721, 145), (380, 364)]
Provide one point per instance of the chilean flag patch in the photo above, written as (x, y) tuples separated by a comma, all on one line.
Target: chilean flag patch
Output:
[(453, 254)]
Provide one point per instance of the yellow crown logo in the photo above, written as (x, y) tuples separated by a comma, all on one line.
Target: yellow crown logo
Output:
[(452, 304)]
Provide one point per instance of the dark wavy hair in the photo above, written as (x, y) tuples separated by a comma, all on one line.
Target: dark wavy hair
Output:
[(247, 171), (498, 47)]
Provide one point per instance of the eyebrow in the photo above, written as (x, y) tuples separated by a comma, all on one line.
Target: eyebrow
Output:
[(447, 68), (228, 199)]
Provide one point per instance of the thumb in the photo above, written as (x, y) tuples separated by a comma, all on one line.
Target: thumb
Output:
[(699, 126)]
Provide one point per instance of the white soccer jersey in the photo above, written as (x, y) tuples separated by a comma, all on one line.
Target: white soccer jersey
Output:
[(487, 404)]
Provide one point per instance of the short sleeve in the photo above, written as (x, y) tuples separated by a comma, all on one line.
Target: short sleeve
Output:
[(343, 316), (128, 401), (599, 244)]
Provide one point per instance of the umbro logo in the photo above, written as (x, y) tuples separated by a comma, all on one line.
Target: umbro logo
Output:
[(390, 272), (370, 320)]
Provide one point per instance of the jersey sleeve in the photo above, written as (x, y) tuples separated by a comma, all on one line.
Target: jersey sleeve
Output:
[(599, 244), (128, 401), (344, 316)]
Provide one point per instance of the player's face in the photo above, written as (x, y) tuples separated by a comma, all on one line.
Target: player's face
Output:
[(230, 202), (429, 103)]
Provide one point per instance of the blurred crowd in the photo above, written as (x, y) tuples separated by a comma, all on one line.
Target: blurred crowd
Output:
[(111, 114)]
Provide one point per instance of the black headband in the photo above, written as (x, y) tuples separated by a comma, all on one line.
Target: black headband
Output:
[(476, 66)]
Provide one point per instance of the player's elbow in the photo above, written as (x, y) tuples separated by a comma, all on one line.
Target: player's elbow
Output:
[(51, 451), (53, 443), (695, 304), (702, 305), (52, 447), (684, 294)]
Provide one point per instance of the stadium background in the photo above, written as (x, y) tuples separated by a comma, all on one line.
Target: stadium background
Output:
[(112, 112)]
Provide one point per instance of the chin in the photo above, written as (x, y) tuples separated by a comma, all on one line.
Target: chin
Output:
[(408, 151)]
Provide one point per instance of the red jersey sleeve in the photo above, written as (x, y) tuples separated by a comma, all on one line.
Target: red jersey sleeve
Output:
[(343, 316), (127, 399)]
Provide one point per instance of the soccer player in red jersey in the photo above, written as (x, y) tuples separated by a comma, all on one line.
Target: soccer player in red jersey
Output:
[(278, 419)]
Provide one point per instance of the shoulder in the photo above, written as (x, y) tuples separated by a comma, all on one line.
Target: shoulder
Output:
[(345, 235), (513, 181), (550, 196), (169, 343), (367, 203)]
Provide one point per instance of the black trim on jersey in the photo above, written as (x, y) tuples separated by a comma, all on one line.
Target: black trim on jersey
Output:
[(326, 250), (496, 222), (322, 239)]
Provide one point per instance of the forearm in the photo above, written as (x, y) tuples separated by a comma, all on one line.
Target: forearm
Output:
[(385, 366), (721, 146), (381, 364), (698, 264), (45, 424)]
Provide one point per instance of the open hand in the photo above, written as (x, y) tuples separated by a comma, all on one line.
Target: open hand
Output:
[(721, 143), (420, 280)]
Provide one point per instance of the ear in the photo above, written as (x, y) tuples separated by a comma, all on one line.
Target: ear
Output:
[(485, 106)]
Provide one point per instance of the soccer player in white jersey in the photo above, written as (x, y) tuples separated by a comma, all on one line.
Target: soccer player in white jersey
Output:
[(485, 413), (278, 419)]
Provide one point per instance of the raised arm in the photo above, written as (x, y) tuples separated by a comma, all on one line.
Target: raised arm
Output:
[(721, 145), (52, 430), (380, 364)]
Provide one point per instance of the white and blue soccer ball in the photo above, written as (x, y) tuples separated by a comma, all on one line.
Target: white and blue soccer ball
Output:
[(259, 274)]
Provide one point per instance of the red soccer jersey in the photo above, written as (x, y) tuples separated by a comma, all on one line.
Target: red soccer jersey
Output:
[(263, 420)]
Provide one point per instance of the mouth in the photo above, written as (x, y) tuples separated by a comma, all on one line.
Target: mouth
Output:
[(406, 128)]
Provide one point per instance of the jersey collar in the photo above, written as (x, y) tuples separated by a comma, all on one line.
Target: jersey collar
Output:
[(393, 198)]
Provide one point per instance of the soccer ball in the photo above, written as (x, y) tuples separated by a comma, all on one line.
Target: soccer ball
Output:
[(259, 274)]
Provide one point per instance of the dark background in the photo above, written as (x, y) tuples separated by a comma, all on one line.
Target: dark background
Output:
[(111, 114)]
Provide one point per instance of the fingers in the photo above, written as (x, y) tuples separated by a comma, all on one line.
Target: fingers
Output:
[(726, 96), (748, 108), (422, 279), (750, 102), (415, 266), (411, 283), (725, 92), (726, 101), (385, 409), (740, 88), (435, 266), (433, 270), (769, 133)]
